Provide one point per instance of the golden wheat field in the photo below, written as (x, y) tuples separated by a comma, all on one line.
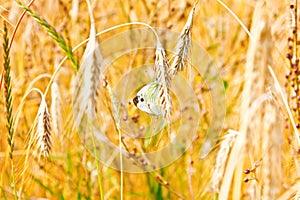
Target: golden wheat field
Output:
[(158, 99)]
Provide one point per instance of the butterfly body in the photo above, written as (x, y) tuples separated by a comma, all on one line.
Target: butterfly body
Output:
[(147, 99)]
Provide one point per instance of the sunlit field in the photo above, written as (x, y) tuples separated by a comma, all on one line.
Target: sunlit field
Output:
[(159, 99)]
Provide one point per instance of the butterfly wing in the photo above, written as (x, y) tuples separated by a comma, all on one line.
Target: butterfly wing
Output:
[(147, 100)]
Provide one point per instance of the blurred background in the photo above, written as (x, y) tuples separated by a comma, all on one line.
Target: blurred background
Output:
[(257, 155)]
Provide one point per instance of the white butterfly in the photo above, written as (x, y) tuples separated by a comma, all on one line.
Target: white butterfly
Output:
[(147, 99)]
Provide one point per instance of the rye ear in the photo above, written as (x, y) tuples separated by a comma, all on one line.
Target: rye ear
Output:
[(161, 74), (88, 78), (183, 46)]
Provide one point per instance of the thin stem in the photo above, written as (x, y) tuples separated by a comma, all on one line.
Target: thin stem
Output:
[(295, 30), (99, 177), (277, 85), (53, 33), (121, 164), (237, 19), (13, 36), (18, 24), (98, 168), (29, 88), (295, 41)]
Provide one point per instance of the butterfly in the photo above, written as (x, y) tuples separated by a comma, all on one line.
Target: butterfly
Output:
[(146, 99)]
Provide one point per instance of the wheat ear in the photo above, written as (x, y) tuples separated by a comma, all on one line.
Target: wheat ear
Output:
[(40, 141), (87, 79), (183, 45), (161, 66), (8, 102), (221, 160), (7, 90), (43, 131)]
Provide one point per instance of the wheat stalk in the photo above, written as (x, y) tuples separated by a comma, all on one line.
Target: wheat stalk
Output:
[(252, 96), (87, 79), (86, 90)]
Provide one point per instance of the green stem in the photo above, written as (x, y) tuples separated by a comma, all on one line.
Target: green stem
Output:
[(98, 166), (8, 103), (53, 33)]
